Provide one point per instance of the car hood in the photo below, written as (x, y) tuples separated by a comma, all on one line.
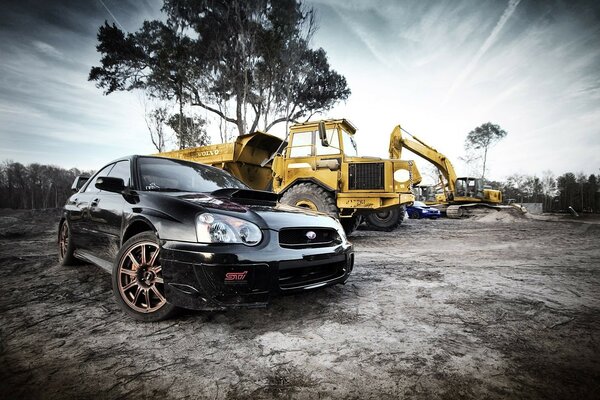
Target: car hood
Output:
[(259, 207)]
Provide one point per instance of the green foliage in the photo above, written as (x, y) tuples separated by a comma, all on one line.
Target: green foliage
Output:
[(482, 138), (580, 192), (244, 61), (190, 131)]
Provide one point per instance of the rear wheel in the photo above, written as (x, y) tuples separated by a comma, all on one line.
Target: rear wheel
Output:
[(386, 220), (138, 284), (66, 248)]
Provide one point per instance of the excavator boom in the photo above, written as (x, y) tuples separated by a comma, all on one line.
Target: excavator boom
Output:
[(417, 146)]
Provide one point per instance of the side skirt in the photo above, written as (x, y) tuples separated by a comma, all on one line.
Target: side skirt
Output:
[(86, 256)]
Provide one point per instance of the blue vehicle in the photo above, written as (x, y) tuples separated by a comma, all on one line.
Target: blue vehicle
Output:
[(421, 210)]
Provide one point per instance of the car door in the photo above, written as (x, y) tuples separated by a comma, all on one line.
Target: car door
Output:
[(79, 214), (106, 215)]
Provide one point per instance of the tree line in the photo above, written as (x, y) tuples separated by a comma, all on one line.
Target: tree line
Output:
[(556, 194), (36, 186)]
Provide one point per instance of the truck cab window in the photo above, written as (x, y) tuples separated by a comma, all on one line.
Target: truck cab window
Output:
[(334, 143), (301, 144), (349, 144)]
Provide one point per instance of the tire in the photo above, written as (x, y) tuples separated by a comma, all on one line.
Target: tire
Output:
[(350, 224), (66, 248), (414, 215), (137, 280), (387, 220), (311, 196)]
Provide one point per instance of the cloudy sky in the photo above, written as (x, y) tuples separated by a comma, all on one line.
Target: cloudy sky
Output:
[(438, 68)]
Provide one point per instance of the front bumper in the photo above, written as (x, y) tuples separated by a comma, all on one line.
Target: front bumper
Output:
[(209, 277)]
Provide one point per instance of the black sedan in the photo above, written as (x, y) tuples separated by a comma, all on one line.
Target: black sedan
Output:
[(179, 234)]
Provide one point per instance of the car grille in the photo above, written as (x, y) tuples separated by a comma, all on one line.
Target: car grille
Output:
[(298, 277), (298, 238), (366, 176)]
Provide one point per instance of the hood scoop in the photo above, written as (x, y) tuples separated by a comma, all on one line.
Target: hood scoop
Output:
[(246, 194)]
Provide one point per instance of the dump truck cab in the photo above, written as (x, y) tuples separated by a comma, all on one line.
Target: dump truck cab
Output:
[(322, 156)]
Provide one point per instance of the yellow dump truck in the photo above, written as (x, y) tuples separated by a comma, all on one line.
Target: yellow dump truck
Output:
[(318, 168)]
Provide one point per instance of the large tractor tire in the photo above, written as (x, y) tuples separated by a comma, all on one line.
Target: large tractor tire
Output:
[(387, 220), (311, 196), (314, 197)]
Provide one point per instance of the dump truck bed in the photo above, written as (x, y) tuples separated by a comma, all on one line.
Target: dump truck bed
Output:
[(248, 158)]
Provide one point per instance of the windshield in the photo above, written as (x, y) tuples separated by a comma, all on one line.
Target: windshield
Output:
[(349, 144), (419, 204), (168, 175)]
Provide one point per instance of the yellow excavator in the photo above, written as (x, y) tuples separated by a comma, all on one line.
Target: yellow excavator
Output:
[(458, 195)]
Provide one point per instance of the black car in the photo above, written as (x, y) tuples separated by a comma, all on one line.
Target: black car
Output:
[(181, 234)]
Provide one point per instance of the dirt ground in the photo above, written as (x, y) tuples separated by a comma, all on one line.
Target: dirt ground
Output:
[(468, 309)]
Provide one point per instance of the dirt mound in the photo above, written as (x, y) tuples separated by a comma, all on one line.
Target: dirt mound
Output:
[(507, 216)]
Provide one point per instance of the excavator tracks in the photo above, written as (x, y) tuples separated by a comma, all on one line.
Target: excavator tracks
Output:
[(466, 210), (455, 212)]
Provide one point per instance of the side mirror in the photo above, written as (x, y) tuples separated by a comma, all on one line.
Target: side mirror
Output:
[(109, 184), (323, 134), (78, 183)]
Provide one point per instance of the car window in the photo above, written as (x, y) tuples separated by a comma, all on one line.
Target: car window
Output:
[(122, 170), (164, 174), (91, 187)]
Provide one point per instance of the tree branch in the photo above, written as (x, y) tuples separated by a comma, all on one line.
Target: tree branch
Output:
[(199, 103)]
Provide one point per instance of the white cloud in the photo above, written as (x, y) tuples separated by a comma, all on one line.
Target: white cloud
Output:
[(46, 48)]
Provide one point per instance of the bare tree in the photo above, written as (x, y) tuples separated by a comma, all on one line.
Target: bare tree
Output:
[(155, 121)]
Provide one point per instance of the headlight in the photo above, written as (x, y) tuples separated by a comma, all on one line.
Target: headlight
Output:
[(341, 232), (401, 175), (216, 228)]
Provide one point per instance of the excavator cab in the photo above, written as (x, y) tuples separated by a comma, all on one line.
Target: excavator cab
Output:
[(426, 193), (469, 187)]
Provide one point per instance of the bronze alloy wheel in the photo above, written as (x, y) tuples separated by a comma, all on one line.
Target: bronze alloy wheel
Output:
[(66, 248), (63, 241), (139, 279)]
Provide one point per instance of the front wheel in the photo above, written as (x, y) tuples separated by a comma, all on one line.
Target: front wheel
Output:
[(414, 215), (138, 285), (351, 224), (386, 220)]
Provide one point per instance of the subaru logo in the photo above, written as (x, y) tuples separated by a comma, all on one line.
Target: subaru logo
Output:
[(310, 235)]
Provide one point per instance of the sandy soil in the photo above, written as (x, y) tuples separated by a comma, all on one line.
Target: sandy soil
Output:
[(443, 309)]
